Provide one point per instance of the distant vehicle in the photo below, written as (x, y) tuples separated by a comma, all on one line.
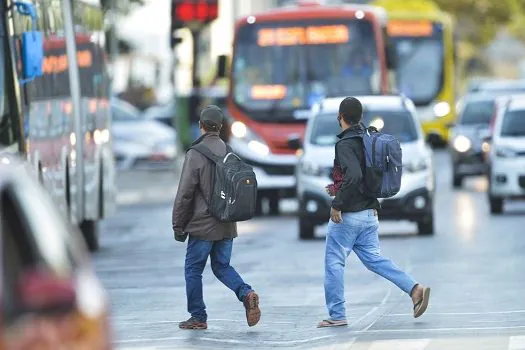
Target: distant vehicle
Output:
[(285, 60), (51, 298), (502, 87), (475, 82), (59, 121), (140, 143), (475, 112), (507, 154), (425, 41), (395, 115), (162, 113)]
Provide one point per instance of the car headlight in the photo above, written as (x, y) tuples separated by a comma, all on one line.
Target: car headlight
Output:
[(419, 164), (242, 133), (441, 109), (462, 143), (504, 152)]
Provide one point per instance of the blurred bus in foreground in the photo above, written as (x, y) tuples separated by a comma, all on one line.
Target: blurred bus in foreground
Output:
[(58, 119), (287, 59), (426, 72)]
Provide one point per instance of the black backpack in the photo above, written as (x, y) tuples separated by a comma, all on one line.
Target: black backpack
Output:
[(234, 189)]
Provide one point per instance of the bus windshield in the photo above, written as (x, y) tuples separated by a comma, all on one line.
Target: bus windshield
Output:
[(279, 67), (420, 70)]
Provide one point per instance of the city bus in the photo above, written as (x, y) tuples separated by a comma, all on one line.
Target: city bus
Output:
[(424, 39), (59, 120), (287, 59)]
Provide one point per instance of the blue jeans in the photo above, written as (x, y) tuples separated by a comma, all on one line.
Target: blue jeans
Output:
[(196, 257), (357, 232)]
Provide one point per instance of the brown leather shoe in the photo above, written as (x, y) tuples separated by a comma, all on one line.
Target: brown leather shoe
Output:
[(193, 323), (251, 304)]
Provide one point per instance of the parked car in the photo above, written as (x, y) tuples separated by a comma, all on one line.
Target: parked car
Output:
[(164, 114), (475, 113), (139, 143), (506, 158), (51, 298), (501, 87), (394, 115)]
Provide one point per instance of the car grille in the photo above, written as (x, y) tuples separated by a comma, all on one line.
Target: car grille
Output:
[(276, 170)]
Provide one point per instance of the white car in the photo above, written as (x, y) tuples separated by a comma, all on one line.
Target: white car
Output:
[(139, 143), (395, 115), (507, 154)]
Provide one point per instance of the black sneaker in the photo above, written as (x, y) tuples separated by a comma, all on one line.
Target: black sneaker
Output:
[(193, 323)]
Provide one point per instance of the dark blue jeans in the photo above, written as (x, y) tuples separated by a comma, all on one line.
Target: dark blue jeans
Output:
[(220, 253)]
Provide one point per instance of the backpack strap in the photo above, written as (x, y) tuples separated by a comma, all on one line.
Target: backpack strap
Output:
[(205, 151)]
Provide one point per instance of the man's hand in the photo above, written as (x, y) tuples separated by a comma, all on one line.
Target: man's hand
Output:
[(335, 216), (330, 191), (180, 236)]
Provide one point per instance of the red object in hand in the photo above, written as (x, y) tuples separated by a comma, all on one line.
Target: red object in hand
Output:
[(337, 177)]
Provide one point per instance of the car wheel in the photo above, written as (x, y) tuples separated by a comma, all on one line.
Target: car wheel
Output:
[(306, 229), (89, 229), (457, 180), (496, 205), (426, 227), (273, 204)]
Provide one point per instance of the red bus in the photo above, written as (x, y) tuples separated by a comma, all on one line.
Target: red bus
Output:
[(60, 121), (284, 61)]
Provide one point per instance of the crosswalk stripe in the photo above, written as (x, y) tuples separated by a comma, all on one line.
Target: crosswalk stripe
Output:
[(400, 344), (517, 343)]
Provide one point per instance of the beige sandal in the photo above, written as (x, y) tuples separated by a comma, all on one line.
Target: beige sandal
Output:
[(332, 323), (421, 306)]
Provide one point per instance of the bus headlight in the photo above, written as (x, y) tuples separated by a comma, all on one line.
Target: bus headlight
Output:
[(242, 133), (462, 143), (441, 109)]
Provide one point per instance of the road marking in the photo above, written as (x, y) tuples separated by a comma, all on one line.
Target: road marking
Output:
[(464, 313), (400, 344), (517, 343), (459, 329), (228, 341), (374, 309)]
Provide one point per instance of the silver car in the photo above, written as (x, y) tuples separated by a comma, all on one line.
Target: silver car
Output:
[(140, 143), (394, 115), (475, 113)]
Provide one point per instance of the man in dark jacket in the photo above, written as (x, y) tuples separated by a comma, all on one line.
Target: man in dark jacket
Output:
[(354, 224), (207, 236)]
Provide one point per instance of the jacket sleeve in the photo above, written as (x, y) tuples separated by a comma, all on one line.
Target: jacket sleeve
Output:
[(351, 168), (188, 184)]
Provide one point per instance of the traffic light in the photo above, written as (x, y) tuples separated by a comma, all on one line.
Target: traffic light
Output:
[(188, 11)]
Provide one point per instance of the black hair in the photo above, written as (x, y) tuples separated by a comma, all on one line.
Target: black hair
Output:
[(209, 127), (351, 110)]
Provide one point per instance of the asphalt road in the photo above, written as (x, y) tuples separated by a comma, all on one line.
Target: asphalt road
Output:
[(474, 263)]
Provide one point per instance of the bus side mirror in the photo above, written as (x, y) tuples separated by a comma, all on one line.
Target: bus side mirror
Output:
[(222, 66), (32, 45)]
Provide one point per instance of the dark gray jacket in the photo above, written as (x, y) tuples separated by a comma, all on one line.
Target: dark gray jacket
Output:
[(190, 210)]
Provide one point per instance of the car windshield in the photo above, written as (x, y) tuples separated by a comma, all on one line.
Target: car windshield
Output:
[(279, 67), (397, 123), (477, 112), (513, 123), (124, 112), (419, 73)]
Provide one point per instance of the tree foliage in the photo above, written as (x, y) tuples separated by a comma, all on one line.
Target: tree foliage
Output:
[(479, 20)]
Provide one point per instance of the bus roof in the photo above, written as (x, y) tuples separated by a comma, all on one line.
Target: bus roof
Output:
[(291, 12)]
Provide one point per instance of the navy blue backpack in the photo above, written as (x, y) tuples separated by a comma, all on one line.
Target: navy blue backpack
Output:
[(383, 163)]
